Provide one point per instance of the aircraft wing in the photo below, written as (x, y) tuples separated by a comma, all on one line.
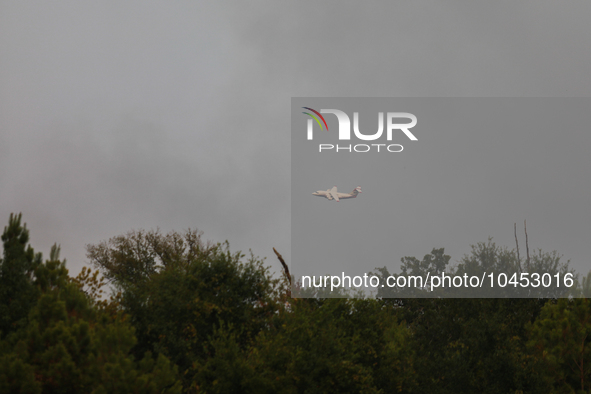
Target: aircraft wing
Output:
[(334, 194)]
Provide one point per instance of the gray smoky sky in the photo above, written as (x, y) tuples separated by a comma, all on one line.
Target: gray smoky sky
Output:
[(143, 114)]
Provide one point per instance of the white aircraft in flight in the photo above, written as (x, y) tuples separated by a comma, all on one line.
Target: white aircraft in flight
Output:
[(333, 194)]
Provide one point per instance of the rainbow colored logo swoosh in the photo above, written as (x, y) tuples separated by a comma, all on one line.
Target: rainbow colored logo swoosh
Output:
[(315, 118)]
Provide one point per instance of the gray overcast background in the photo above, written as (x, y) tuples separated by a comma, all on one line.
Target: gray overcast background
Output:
[(141, 114)]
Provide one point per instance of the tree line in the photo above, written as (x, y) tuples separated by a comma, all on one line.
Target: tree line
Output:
[(171, 313)]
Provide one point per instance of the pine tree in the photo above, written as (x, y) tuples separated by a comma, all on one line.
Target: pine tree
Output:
[(17, 292), (67, 344)]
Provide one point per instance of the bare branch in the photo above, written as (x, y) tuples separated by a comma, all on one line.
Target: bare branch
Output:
[(517, 246), (285, 267), (526, 244), (285, 270)]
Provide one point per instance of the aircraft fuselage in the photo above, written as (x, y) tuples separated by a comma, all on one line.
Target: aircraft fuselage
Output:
[(333, 194)]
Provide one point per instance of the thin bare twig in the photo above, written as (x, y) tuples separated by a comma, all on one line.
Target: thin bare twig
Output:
[(517, 246), (285, 270), (526, 244)]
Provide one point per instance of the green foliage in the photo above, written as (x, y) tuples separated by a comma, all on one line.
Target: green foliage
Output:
[(177, 290), (223, 321), (189, 316), (474, 345), (228, 367), (311, 349), (135, 257), (69, 346), (562, 338), (16, 376), (314, 346), (17, 293)]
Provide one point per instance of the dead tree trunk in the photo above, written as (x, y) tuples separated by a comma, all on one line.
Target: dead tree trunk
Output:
[(285, 271), (517, 246)]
